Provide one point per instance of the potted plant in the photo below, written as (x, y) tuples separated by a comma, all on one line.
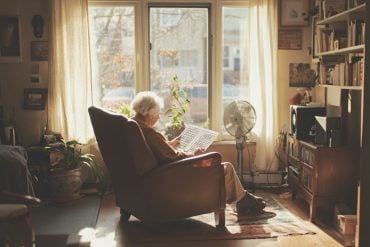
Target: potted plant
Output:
[(66, 160), (126, 110), (180, 105)]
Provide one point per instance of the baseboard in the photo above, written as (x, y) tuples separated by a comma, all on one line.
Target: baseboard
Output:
[(265, 179)]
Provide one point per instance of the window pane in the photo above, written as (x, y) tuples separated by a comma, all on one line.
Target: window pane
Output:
[(113, 55), (179, 47), (235, 48)]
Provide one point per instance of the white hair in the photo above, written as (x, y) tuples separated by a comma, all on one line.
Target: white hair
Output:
[(147, 102)]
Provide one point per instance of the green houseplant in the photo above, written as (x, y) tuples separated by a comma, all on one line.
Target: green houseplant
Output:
[(180, 105), (67, 160), (126, 110)]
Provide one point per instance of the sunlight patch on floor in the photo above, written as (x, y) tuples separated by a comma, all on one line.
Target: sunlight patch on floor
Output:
[(104, 239)]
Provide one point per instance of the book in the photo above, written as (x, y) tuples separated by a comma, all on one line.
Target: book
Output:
[(195, 137)]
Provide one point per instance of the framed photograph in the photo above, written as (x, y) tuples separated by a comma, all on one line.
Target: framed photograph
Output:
[(10, 39), (290, 39), (39, 51), (294, 13), (301, 75), (35, 98)]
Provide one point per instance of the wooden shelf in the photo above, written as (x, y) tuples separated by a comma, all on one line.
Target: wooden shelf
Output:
[(343, 16), (352, 49), (342, 87)]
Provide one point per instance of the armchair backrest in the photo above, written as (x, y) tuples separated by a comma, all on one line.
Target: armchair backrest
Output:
[(123, 148)]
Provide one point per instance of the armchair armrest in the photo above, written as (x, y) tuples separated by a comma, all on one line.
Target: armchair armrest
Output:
[(190, 161), (9, 197)]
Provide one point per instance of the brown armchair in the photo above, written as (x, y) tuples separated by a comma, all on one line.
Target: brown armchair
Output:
[(156, 193), (15, 219)]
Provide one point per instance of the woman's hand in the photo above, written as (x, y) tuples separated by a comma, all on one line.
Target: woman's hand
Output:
[(199, 151), (174, 143)]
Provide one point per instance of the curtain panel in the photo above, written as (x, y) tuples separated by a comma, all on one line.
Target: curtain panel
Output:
[(263, 80), (70, 70)]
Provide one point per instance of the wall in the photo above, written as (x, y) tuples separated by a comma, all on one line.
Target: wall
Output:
[(285, 93), (14, 77)]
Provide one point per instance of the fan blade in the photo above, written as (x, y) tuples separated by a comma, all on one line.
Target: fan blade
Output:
[(231, 128), (239, 118)]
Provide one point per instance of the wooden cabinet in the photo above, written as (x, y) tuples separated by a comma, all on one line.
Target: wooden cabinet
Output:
[(322, 176)]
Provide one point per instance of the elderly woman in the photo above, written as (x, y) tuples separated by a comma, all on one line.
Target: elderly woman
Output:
[(147, 106)]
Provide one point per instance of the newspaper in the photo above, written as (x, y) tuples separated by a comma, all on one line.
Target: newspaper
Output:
[(194, 137)]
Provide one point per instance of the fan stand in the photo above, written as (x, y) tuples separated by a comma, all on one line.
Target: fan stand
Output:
[(240, 159), (239, 150)]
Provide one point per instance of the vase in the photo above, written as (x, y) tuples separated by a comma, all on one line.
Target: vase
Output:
[(65, 185)]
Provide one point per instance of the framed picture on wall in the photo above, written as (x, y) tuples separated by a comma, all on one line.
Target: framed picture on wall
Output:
[(301, 75), (39, 50), (10, 39), (294, 13), (290, 39), (35, 98)]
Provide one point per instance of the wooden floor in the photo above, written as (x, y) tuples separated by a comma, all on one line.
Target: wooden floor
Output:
[(108, 231)]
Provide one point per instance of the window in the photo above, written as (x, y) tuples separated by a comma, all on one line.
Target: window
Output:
[(113, 55), (180, 48), (141, 46), (235, 64)]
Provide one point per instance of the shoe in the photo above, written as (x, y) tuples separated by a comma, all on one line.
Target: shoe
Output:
[(250, 204)]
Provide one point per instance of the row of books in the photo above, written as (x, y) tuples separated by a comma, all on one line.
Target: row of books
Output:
[(331, 39), (356, 32), (343, 74)]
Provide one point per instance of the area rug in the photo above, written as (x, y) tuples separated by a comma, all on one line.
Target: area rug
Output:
[(62, 224), (273, 222)]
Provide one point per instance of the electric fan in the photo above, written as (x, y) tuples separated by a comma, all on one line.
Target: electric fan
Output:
[(239, 119)]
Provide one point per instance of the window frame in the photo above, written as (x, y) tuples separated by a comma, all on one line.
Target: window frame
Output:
[(215, 65)]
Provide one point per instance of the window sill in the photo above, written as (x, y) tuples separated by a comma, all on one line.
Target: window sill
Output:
[(231, 142)]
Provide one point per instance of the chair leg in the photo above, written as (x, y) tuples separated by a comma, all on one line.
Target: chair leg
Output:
[(220, 218), (25, 226), (125, 215)]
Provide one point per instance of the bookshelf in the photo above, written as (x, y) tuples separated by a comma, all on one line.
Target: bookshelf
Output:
[(325, 176), (343, 16), (351, 49), (341, 44), (340, 41)]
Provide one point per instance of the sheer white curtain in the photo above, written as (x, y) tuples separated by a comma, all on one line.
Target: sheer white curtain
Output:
[(263, 79), (70, 74)]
